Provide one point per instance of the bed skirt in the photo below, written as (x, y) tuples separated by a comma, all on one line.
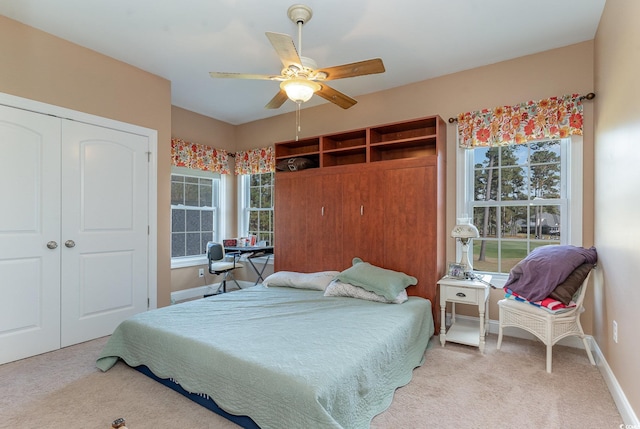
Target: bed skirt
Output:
[(203, 400)]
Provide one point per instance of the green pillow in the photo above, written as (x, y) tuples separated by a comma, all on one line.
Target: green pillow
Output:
[(387, 283)]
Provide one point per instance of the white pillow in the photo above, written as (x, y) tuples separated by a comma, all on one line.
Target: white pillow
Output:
[(314, 281), (338, 288)]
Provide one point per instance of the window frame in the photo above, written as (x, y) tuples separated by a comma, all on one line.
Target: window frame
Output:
[(572, 172), (218, 209)]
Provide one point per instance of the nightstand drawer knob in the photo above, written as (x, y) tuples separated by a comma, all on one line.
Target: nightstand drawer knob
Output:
[(461, 295)]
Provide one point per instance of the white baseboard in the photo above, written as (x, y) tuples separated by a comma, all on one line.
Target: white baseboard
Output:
[(200, 291), (624, 408), (629, 417)]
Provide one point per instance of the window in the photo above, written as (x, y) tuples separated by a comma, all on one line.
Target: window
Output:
[(518, 197), (256, 206), (195, 208)]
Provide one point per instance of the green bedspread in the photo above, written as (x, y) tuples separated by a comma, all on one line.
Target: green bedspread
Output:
[(287, 358)]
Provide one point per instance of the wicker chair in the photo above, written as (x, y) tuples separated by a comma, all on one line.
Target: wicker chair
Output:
[(548, 327)]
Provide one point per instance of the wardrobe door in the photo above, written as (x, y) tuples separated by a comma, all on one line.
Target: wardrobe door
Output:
[(29, 234), (290, 214), (362, 214), (104, 229), (324, 230), (410, 225)]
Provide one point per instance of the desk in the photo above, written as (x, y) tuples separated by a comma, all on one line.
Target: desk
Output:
[(251, 252), (471, 292)]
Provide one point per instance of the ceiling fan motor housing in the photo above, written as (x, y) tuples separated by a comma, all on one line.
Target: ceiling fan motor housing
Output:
[(299, 13)]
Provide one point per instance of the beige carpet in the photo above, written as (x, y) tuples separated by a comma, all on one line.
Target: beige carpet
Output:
[(457, 387)]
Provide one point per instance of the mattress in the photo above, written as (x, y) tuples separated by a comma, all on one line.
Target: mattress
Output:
[(285, 357)]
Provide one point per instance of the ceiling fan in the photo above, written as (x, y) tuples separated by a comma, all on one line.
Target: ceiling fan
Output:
[(300, 78)]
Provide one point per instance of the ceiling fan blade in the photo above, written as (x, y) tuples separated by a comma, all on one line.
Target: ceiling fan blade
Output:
[(286, 50), (277, 101), (336, 97), (245, 76), (354, 69)]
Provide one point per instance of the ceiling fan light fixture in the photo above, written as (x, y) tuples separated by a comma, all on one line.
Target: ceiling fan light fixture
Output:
[(299, 90)]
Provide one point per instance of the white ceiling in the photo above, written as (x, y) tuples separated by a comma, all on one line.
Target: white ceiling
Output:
[(182, 40)]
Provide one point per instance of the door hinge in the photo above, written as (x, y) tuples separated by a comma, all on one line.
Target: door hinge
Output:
[(148, 156), (148, 303)]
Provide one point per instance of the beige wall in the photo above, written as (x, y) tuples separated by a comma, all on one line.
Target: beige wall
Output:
[(44, 68), (617, 127), (556, 72), (196, 128)]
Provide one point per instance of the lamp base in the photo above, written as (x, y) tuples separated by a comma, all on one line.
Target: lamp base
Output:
[(465, 258)]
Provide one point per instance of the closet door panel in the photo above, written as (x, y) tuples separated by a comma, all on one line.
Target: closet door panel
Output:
[(410, 229), (29, 220), (104, 229), (290, 212), (362, 214), (323, 223)]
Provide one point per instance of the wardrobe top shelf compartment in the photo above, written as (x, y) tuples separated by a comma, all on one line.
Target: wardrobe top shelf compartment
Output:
[(301, 147), (404, 131), (402, 140)]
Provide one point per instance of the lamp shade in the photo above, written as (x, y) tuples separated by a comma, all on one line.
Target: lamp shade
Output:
[(465, 230), (299, 90)]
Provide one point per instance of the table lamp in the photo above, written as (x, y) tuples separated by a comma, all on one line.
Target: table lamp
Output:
[(465, 232)]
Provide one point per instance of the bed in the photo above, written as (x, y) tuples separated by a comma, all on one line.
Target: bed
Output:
[(283, 356)]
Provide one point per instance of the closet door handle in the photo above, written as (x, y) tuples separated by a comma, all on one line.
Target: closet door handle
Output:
[(52, 245), (361, 210), (70, 243), (322, 211)]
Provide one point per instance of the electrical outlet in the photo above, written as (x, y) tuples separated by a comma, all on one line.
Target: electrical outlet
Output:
[(615, 331), (201, 272)]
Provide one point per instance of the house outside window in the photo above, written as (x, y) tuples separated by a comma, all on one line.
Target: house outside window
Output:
[(520, 197), (195, 214), (256, 206)]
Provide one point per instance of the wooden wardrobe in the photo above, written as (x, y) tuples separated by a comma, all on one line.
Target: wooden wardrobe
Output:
[(376, 193)]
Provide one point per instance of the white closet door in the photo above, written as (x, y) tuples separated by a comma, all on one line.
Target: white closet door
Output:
[(104, 229), (29, 219)]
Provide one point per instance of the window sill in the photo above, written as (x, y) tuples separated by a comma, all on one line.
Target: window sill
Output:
[(188, 262), (498, 280)]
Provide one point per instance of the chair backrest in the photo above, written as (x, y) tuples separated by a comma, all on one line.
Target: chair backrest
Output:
[(215, 252)]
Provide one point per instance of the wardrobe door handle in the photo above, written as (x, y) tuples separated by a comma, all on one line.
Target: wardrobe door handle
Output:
[(70, 243), (52, 245), (361, 210), (322, 212)]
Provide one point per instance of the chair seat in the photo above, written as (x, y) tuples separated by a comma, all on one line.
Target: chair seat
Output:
[(532, 309), (224, 266)]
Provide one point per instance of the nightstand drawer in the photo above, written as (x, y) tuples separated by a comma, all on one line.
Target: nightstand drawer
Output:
[(461, 294)]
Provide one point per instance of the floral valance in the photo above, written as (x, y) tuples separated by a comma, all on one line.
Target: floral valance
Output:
[(551, 118), (255, 161), (198, 156)]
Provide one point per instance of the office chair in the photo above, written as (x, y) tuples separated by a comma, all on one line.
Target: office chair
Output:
[(219, 265), (548, 327)]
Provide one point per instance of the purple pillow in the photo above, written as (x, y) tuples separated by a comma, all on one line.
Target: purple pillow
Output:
[(537, 275)]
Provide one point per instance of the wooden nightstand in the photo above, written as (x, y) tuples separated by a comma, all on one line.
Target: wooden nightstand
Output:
[(471, 292)]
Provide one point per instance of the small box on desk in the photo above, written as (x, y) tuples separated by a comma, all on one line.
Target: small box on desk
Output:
[(230, 242)]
